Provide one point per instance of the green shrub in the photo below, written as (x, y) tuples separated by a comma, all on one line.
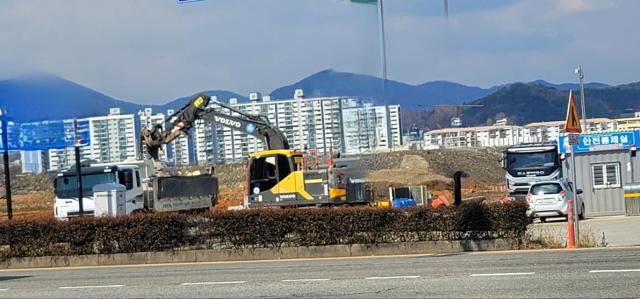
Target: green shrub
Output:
[(267, 228)]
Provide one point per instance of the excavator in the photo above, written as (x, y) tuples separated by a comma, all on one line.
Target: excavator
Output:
[(276, 177)]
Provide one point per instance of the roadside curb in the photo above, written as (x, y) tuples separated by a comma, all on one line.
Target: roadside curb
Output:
[(255, 254)]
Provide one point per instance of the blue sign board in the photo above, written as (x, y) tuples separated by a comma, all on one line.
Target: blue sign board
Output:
[(46, 135), (602, 141)]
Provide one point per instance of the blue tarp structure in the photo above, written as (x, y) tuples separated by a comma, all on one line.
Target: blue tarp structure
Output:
[(44, 135)]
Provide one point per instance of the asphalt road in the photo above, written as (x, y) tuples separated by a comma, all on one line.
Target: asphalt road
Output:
[(598, 273)]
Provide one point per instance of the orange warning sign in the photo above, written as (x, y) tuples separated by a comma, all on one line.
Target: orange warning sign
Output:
[(572, 125)]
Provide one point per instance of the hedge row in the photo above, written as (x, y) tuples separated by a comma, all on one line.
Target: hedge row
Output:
[(260, 228)]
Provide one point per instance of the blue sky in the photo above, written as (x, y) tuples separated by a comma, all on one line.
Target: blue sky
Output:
[(156, 50)]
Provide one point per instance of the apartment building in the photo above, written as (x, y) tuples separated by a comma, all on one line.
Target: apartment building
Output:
[(343, 124), (631, 123), (485, 136), (359, 122), (34, 161), (507, 135), (113, 139), (551, 130)]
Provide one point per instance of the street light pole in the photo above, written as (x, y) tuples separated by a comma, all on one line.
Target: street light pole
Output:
[(580, 74), (383, 58)]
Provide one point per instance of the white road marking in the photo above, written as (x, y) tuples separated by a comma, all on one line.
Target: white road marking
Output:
[(305, 279), (614, 271), (2, 290), (93, 287), (391, 277), (212, 283), (503, 274)]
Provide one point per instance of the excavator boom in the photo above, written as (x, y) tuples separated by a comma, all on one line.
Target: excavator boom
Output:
[(199, 109)]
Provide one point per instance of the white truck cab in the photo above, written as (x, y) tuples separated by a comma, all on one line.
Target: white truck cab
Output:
[(66, 195)]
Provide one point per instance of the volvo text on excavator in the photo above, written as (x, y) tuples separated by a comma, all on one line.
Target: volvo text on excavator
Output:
[(277, 176)]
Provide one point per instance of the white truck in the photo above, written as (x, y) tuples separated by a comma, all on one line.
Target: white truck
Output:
[(144, 189), (528, 163)]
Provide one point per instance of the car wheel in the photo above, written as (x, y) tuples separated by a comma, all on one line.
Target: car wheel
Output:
[(543, 219), (581, 215)]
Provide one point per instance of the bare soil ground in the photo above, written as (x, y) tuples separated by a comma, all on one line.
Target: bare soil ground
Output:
[(33, 194)]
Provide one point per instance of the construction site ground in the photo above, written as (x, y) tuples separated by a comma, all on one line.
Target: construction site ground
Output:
[(33, 194)]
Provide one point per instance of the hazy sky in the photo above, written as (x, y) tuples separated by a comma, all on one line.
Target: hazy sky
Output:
[(158, 50)]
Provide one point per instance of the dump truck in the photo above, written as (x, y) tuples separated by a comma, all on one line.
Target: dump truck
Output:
[(144, 189)]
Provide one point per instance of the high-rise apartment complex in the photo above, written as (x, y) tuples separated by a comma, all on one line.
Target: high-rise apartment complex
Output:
[(344, 124), (113, 139)]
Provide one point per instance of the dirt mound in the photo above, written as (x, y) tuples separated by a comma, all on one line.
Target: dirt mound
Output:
[(414, 162), (481, 164), (435, 168)]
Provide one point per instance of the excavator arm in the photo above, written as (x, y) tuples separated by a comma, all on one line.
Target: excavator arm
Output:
[(199, 109)]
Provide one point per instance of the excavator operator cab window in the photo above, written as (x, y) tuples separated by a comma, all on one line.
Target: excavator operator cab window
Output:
[(267, 171), (284, 167), (263, 174)]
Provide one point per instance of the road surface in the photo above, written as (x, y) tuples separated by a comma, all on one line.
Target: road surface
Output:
[(596, 273)]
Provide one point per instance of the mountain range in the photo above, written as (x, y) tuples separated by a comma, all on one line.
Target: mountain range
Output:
[(22, 97), (524, 103), (40, 97)]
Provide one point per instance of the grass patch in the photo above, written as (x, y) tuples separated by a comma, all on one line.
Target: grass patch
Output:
[(555, 237)]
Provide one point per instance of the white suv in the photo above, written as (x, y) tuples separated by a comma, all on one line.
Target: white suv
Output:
[(551, 199)]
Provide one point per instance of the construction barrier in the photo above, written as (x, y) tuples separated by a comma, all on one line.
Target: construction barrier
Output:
[(499, 188), (632, 199), (418, 193), (571, 236)]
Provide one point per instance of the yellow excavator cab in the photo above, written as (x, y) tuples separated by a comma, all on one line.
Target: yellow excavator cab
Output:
[(277, 178)]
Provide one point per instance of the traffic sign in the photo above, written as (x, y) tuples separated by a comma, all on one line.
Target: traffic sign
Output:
[(574, 139), (572, 124), (44, 135), (603, 141)]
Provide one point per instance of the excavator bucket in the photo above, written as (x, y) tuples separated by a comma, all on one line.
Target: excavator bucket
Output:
[(153, 138)]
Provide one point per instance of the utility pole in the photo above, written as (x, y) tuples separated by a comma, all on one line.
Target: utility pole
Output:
[(5, 156), (580, 74), (78, 170)]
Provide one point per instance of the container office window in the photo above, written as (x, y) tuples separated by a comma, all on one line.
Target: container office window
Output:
[(606, 175)]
